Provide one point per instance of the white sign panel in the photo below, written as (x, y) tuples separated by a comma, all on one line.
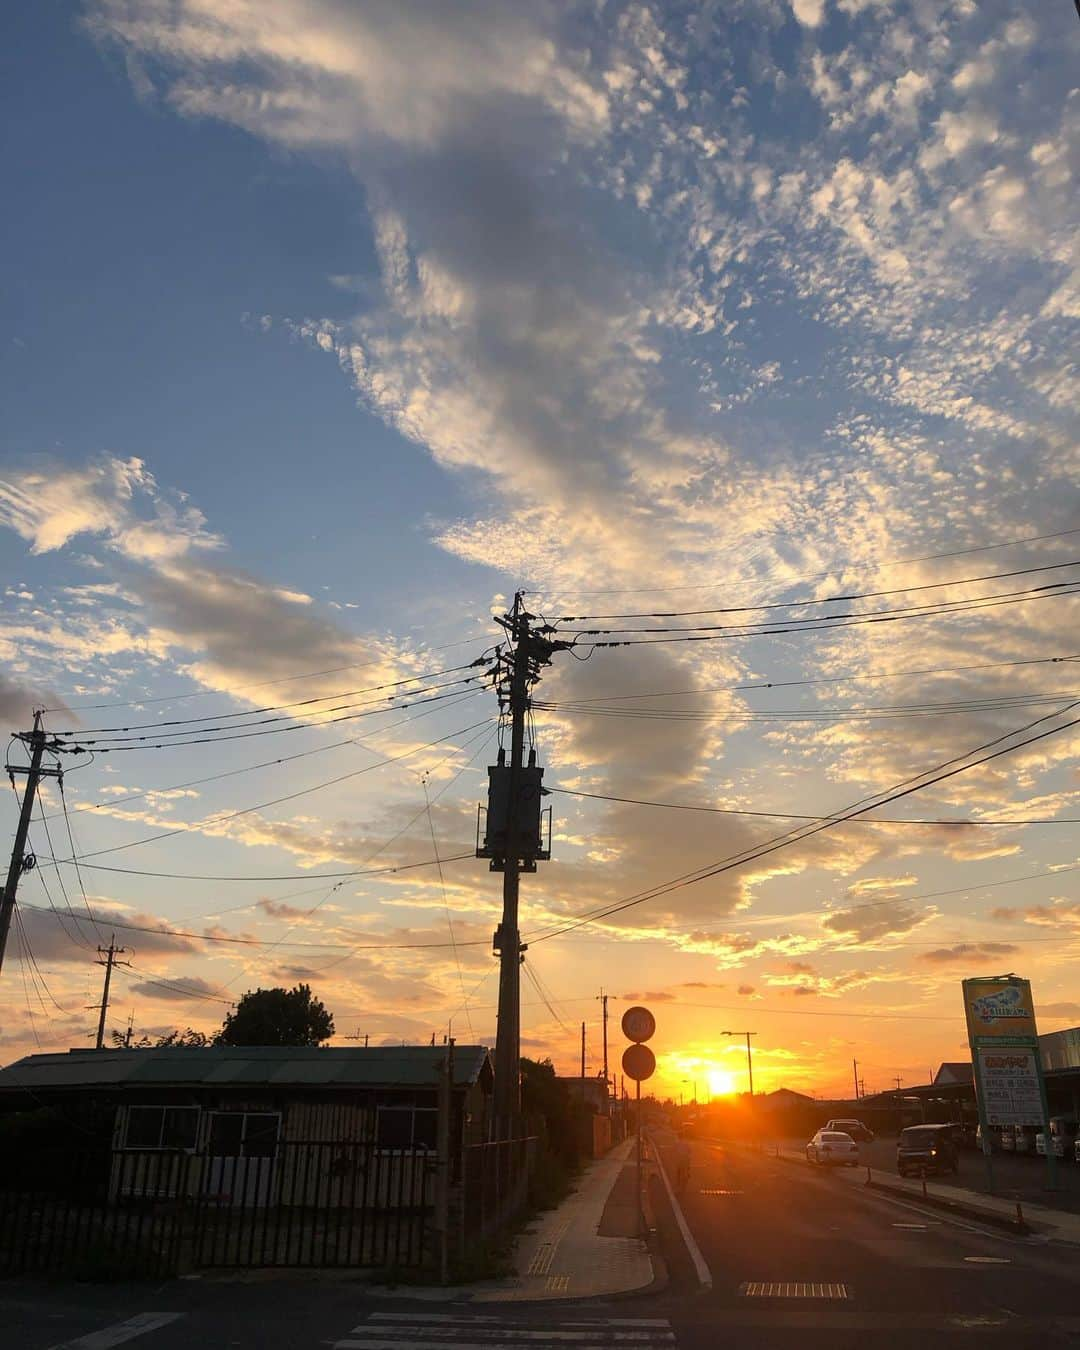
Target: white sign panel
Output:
[(1010, 1083)]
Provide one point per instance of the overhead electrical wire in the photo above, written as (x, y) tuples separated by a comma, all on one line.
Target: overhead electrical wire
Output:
[(905, 788), (848, 678), (791, 815), (872, 713), (147, 742), (850, 618), (276, 801), (260, 684), (845, 598), (83, 733), (87, 807)]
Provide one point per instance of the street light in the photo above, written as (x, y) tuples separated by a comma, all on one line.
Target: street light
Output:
[(749, 1061)]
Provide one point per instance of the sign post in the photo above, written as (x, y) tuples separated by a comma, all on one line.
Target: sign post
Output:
[(1009, 1085), (638, 1062)]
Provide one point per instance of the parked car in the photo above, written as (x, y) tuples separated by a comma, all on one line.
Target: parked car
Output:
[(925, 1149), (833, 1148), (855, 1128), (1064, 1132)]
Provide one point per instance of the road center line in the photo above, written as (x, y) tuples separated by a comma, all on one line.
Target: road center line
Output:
[(120, 1332)]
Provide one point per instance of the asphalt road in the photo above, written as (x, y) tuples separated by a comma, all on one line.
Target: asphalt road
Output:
[(1017, 1177), (774, 1236)]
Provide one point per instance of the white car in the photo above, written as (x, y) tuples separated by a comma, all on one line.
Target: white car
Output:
[(830, 1148)]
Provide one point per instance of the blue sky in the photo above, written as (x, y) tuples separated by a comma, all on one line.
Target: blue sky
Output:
[(327, 325)]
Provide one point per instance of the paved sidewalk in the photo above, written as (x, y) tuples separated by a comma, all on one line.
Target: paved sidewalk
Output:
[(1057, 1224), (565, 1255)]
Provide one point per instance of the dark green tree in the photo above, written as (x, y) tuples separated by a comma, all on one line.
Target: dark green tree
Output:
[(277, 1017)]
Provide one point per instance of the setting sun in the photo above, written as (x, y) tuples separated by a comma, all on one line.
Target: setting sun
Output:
[(721, 1083)]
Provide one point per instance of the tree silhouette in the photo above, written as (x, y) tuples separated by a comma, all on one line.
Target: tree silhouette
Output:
[(277, 1017)]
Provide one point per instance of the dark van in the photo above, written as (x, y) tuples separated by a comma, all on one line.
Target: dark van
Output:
[(926, 1148)]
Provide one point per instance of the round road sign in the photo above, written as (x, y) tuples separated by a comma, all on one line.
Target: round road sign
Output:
[(638, 1024), (638, 1062)]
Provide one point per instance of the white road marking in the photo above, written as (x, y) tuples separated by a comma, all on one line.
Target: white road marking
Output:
[(120, 1332), (988, 1260), (793, 1289), (702, 1270)]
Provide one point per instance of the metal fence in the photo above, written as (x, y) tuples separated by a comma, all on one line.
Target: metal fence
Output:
[(494, 1186), (135, 1212)]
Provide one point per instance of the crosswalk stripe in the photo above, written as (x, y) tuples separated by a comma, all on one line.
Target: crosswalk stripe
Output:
[(120, 1332)]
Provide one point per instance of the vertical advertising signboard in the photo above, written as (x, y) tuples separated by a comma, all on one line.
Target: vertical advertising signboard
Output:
[(1004, 1041)]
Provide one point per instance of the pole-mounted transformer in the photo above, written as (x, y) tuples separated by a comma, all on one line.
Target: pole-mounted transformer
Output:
[(533, 821)]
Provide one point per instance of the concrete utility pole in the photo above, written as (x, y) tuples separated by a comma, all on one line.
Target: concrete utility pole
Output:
[(21, 860), (531, 650), (603, 1005), (110, 953), (749, 1060)]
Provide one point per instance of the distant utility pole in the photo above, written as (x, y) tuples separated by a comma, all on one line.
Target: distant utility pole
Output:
[(513, 849), (583, 1061), (110, 953), (603, 1004), (358, 1037), (898, 1080), (855, 1067), (22, 860)]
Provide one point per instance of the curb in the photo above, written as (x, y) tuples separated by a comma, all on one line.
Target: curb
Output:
[(961, 1208)]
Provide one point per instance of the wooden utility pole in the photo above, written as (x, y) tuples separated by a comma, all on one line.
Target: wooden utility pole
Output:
[(22, 860), (110, 953)]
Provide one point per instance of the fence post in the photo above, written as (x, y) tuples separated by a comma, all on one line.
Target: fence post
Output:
[(442, 1188)]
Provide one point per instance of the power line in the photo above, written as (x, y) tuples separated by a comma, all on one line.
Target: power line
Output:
[(848, 678), (261, 764), (871, 713), (148, 743), (791, 815), (83, 733), (898, 791), (851, 618), (825, 599), (276, 801), (261, 684), (288, 876)]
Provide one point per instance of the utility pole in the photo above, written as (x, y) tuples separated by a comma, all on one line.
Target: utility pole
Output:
[(603, 1005), (749, 1060), (517, 851), (583, 1061), (110, 953), (898, 1080), (855, 1067), (21, 860)]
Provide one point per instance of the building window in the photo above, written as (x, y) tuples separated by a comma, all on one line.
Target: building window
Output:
[(407, 1127), (162, 1127), (244, 1134)]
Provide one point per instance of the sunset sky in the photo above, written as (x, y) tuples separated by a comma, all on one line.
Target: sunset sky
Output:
[(328, 325)]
